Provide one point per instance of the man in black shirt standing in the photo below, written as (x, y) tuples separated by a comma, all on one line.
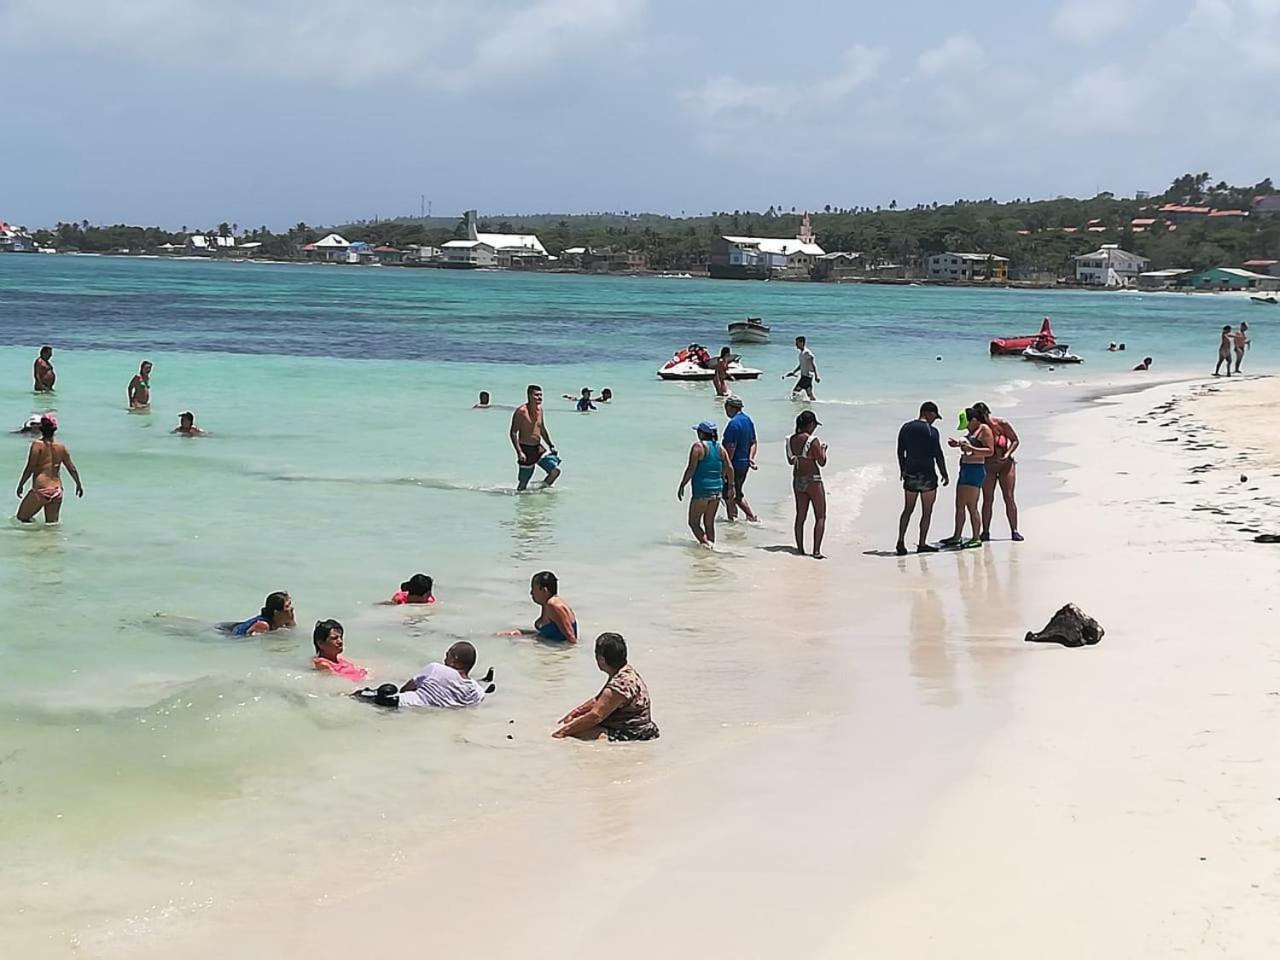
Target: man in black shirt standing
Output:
[(919, 448)]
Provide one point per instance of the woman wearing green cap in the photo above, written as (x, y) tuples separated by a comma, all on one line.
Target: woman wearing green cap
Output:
[(977, 445), (709, 471)]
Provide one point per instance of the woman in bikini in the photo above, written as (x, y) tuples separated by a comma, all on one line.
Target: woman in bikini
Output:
[(807, 456), (44, 462), (140, 388), (1002, 471), (975, 448)]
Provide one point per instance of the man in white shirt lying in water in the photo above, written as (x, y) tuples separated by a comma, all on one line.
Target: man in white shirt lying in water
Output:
[(448, 684)]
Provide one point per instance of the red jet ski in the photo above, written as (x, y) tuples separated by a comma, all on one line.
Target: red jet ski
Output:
[(1013, 346)]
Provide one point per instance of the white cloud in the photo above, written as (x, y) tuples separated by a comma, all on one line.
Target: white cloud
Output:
[(960, 50), (329, 43), (727, 94), (1086, 21)]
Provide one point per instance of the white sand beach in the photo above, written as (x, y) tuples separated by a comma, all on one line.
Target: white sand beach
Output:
[(896, 773)]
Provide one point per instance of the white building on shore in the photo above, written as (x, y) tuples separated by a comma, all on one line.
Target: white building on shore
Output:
[(1109, 266)]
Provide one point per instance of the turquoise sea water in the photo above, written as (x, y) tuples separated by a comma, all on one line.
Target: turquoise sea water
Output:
[(344, 456)]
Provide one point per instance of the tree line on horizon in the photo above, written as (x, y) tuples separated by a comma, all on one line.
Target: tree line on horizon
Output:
[(1029, 232)]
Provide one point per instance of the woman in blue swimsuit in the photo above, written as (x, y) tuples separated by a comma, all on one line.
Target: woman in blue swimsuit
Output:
[(557, 623), (710, 472), (978, 444), (277, 613)]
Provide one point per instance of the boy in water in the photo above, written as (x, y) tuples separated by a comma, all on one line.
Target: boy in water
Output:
[(484, 401), (187, 425), (584, 404)]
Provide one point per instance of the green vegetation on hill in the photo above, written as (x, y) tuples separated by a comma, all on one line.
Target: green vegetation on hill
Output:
[(1038, 236)]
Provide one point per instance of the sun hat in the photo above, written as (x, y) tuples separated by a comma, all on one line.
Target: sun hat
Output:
[(706, 426)]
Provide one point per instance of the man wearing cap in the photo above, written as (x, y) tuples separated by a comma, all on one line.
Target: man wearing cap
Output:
[(740, 447), (919, 448), (187, 425), (710, 473)]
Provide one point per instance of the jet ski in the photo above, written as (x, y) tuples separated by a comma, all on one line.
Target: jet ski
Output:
[(694, 363), (1058, 353)]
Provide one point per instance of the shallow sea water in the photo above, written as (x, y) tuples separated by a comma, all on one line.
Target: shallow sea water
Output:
[(344, 456)]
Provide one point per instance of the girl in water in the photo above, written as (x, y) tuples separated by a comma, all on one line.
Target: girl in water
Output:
[(276, 614), (975, 448), (44, 462), (807, 456), (417, 589)]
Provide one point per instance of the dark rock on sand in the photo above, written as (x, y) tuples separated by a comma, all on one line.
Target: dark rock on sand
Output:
[(1071, 627)]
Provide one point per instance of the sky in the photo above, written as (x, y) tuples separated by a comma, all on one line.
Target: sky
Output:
[(267, 112)]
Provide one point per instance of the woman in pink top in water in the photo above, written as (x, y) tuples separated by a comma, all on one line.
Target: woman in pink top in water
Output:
[(328, 640), (417, 589)]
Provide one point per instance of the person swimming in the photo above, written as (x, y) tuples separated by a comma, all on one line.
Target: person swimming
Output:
[(328, 639), (557, 622), (276, 614), (187, 425), (605, 395), (484, 401), (584, 404), (417, 589)]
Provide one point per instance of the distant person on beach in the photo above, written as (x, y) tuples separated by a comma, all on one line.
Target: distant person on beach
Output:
[(709, 471), (43, 373), (140, 387), (605, 395), (1002, 471), (45, 460), (720, 379), (484, 401), (621, 710), (807, 456), (807, 368), (583, 401), (976, 446), (1240, 340), (919, 450), (447, 685), (556, 623), (327, 637), (187, 425), (276, 614), (528, 431), (740, 447), (1225, 347), (416, 590), (1144, 365)]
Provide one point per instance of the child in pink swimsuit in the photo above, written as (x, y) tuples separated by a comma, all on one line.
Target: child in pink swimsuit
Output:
[(328, 640), (417, 589)]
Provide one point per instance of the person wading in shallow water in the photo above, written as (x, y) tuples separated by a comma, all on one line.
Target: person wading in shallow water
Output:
[(528, 431), (140, 388), (43, 373), (45, 460)]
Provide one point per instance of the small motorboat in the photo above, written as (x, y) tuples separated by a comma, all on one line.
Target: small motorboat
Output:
[(750, 330), (1013, 346), (1271, 300), (694, 363), (1058, 353)]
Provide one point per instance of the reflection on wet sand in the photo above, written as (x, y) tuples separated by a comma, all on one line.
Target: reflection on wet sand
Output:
[(932, 666)]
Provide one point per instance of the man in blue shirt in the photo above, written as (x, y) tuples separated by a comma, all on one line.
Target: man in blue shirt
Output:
[(739, 443), (919, 450)]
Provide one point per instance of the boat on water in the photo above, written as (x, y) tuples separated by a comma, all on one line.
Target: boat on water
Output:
[(750, 330), (1014, 346), (695, 363), (1057, 353), (1271, 300)]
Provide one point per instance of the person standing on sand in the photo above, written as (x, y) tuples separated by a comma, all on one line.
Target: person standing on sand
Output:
[(1225, 346), (44, 462), (140, 388), (711, 473), (807, 456), (43, 373), (528, 431), (720, 378), (1002, 471), (919, 449), (974, 450), (807, 368), (740, 447), (1241, 342)]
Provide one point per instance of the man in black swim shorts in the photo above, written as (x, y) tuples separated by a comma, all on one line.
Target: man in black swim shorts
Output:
[(919, 449)]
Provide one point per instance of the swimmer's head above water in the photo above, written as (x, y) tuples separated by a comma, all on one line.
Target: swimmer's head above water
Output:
[(461, 657), (606, 394), (277, 610), (419, 585), (484, 399), (327, 637), (543, 586)]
